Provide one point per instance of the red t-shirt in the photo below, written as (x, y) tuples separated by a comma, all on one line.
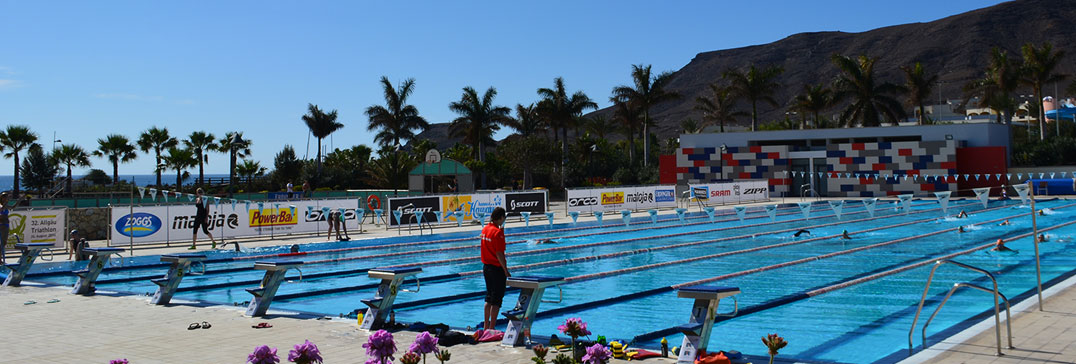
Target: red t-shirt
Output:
[(492, 243)]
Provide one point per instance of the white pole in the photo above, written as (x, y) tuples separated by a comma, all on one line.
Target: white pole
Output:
[(1035, 239)]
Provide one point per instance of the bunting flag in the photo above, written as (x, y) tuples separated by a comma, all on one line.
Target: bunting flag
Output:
[(626, 215), (906, 202), (247, 204), (1051, 174), (805, 208), (549, 216), (399, 215), (1019, 176), (575, 216), (821, 174), (837, 207), (1042, 175), (771, 211), (216, 201), (1008, 176), (261, 207), (141, 192), (653, 216), (1022, 191), (164, 194), (309, 209), (680, 214), (741, 211), (234, 201), (915, 178), (965, 177), (418, 217), (869, 204), (598, 215), (1062, 174), (983, 194), (153, 194), (709, 213), (905, 177), (292, 209), (359, 213), (976, 176), (998, 176), (943, 200)]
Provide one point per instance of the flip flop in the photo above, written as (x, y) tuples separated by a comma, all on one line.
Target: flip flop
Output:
[(30, 302), (206, 325), (262, 325), (192, 248), (54, 300), (194, 326)]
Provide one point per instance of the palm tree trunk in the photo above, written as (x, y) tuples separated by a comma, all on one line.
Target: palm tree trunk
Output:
[(179, 179), (16, 174), (817, 124), (754, 115), (201, 171), (69, 191), (318, 179), (156, 167), (646, 137), (721, 122), (116, 172), (1042, 115)]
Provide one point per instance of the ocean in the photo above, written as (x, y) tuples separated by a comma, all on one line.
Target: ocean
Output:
[(6, 182)]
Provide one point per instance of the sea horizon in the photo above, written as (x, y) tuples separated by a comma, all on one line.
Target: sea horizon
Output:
[(6, 182)]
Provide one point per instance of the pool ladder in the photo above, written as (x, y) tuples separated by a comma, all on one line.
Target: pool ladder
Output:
[(994, 292), (413, 221)]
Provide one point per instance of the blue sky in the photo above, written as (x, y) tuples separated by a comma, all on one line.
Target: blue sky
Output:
[(85, 69)]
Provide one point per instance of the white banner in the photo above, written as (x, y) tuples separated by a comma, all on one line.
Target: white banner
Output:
[(805, 208), (621, 198), (906, 202), (869, 204), (1022, 190), (731, 192), (837, 207), (153, 224), (983, 194), (37, 226), (943, 200)]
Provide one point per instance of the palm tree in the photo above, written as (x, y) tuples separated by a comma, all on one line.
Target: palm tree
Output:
[(600, 126), (919, 86), (16, 138), (647, 92), (527, 122), (690, 126), (627, 114), (995, 90), (871, 99), (71, 155), (200, 143), (180, 160), (390, 169), (757, 84), (720, 107), (396, 119), (157, 140), (813, 100), (479, 119), (1039, 69), (118, 149), (321, 124), (224, 145), (561, 111), (249, 169)]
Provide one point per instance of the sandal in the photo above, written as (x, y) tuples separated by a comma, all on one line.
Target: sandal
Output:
[(30, 302), (194, 326), (262, 325), (192, 248), (206, 325), (54, 300)]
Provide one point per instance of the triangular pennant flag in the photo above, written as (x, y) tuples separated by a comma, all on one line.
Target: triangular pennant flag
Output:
[(1019, 176), (233, 204), (943, 200), (771, 211), (987, 176), (205, 202), (1022, 190), (906, 202), (247, 205), (575, 216), (598, 215), (869, 205), (1008, 176), (915, 178), (966, 177), (653, 216), (1051, 174), (292, 209), (976, 176), (398, 214), (216, 201), (805, 208), (141, 192), (710, 213), (626, 216), (837, 207), (164, 193), (821, 174), (309, 210), (983, 194), (1063, 174), (153, 194), (741, 211)]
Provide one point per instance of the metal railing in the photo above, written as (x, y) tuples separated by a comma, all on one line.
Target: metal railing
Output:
[(994, 292)]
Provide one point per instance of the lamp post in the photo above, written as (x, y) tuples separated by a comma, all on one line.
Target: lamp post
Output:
[(724, 149), (236, 143)]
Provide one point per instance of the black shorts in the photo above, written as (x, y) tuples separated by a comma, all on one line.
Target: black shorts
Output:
[(203, 222), (495, 283)]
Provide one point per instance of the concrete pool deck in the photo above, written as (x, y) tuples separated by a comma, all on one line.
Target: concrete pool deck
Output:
[(100, 328)]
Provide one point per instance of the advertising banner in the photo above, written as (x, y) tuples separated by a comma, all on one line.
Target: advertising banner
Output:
[(621, 198), (535, 202), (36, 226), (153, 224), (731, 192)]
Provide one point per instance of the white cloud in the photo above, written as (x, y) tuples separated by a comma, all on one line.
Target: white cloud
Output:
[(9, 84)]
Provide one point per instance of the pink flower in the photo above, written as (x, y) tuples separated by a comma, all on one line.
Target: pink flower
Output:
[(305, 353), (597, 354), (574, 327), (263, 355), (117, 361), (379, 347), (424, 344)]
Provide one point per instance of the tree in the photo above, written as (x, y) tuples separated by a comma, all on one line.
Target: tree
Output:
[(871, 99), (690, 126), (97, 177), (757, 84), (995, 90), (14, 139), (919, 86), (249, 169), (224, 145), (321, 124), (478, 119), (599, 126), (286, 167), (118, 149), (396, 120), (1040, 65), (38, 170), (561, 110), (628, 115), (71, 155), (645, 93), (156, 139), (201, 143), (180, 160), (813, 100), (347, 166), (390, 169), (418, 149), (527, 122), (720, 107)]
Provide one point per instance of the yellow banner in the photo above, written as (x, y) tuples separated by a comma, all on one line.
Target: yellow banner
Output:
[(272, 217), (612, 198)]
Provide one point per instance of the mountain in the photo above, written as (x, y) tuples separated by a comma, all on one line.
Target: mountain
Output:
[(956, 48)]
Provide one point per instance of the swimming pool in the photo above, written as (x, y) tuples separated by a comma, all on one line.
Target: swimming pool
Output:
[(818, 292)]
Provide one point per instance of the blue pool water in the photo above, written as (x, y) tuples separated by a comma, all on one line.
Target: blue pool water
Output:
[(865, 322)]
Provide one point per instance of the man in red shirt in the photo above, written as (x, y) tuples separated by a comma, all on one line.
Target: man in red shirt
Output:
[(494, 267)]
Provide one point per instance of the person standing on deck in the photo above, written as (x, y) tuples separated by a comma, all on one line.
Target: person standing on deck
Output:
[(494, 266)]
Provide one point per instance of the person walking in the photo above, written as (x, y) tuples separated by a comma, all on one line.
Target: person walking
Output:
[(494, 266), (201, 219)]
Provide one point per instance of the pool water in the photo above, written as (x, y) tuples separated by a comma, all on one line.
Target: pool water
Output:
[(785, 281)]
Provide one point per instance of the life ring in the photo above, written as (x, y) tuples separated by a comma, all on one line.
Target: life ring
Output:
[(373, 202)]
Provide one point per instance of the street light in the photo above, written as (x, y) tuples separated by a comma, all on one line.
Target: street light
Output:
[(236, 143)]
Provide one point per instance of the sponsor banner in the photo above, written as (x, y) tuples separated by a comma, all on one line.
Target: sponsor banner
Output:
[(153, 224), (731, 192), (36, 226), (514, 203), (621, 198)]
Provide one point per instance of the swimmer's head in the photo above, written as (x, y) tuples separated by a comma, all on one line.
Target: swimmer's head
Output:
[(999, 242)]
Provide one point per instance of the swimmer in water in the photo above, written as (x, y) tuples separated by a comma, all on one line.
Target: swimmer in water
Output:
[(1043, 238), (1003, 223), (1042, 212), (547, 241), (844, 235), (801, 232), (962, 215), (960, 229), (999, 246)]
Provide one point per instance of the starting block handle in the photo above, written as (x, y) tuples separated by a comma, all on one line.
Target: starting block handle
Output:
[(735, 309), (51, 255), (190, 268), (418, 286), (560, 295), (297, 270)]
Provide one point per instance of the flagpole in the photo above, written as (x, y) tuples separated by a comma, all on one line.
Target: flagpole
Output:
[(1035, 240)]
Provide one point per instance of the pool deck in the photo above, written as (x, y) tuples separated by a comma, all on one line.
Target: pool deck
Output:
[(100, 328)]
